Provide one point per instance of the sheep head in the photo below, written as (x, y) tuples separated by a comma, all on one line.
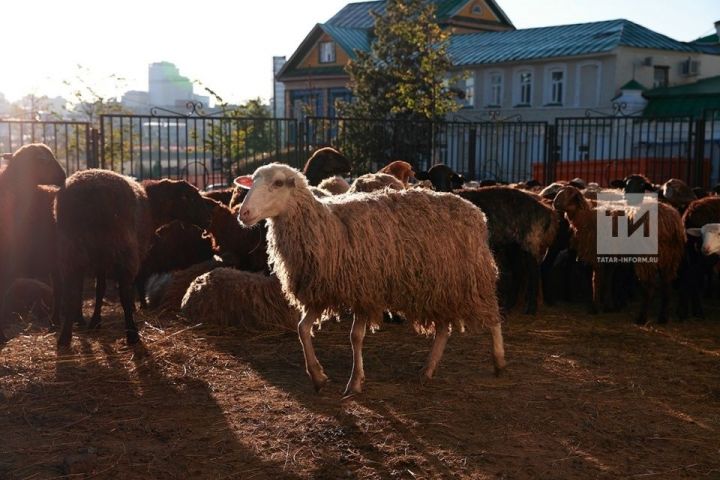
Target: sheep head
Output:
[(710, 235), (270, 192), (570, 200), (443, 178), (637, 183), (177, 200), (326, 162), (34, 164)]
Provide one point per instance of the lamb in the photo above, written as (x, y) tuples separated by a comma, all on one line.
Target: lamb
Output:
[(345, 253), (521, 222), (27, 229), (399, 169), (230, 297), (326, 162), (334, 185), (371, 182), (695, 265), (582, 216)]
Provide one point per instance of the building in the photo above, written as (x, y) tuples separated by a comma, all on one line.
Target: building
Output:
[(166, 89), (535, 74)]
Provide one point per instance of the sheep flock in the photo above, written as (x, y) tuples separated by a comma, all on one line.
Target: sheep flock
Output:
[(285, 250)]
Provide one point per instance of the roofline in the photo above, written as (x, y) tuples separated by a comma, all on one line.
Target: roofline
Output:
[(607, 53), (296, 53)]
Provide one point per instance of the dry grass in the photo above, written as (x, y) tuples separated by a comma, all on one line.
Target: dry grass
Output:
[(584, 397)]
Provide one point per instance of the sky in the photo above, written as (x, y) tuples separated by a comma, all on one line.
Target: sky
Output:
[(228, 45)]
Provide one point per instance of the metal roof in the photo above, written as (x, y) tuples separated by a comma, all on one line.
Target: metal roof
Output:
[(349, 39), (684, 100), (357, 15), (557, 41)]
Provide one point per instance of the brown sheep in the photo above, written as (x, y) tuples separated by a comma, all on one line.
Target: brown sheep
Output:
[(582, 216), (326, 162), (399, 169), (27, 231), (166, 291), (334, 185), (105, 225), (360, 252), (243, 247), (371, 182), (232, 298), (27, 296)]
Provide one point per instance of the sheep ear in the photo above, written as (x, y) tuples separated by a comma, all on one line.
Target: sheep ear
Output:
[(245, 182), (694, 232), (649, 187)]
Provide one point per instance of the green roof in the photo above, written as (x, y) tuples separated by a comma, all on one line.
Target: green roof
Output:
[(633, 85), (557, 41), (684, 100), (357, 15), (349, 39)]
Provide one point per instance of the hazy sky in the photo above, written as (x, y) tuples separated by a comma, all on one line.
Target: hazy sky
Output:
[(228, 45)]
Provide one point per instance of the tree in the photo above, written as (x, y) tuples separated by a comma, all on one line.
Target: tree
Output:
[(403, 82)]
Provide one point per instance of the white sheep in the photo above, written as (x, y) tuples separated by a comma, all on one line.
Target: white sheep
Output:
[(422, 254)]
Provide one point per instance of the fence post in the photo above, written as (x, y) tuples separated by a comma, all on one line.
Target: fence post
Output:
[(472, 150), (94, 140), (551, 156), (698, 177)]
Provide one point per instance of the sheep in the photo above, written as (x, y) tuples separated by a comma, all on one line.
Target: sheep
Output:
[(516, 218), (104, 226), (710, 235), (677, 193), (366, 253), (443, 178), (399, 169), (696, 266), (582, 216), (326, 162), (27, 229), (27, 295), (334, 185), (166, 291), (167, 200), (175, 246), (223, 196), (230, 297), (245, 248), (371, 182)]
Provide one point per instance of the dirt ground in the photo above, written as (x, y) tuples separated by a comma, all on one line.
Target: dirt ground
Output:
[(584, 397)]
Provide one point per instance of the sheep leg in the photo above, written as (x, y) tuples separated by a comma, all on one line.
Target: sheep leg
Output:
[(598, 288), (72, 305), (125, 287), (436, 352), (648, 291), (357, 335), (498, 349), (312, 365), (100, 287), (140, 282), (57, 299)]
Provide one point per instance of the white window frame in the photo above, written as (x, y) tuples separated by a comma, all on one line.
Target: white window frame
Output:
[(490, 89), (332, 58), (518, 87), (578, 82), (549, 85), (469, 87)]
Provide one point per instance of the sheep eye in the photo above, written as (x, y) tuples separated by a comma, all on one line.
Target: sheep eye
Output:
[(278, 183)]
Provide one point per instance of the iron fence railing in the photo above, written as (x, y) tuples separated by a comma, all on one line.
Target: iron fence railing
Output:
[(207, 150), (72, 142)]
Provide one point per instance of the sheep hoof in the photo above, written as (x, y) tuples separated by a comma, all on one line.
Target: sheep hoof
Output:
[(320, 382), (352, 390), (133, 337), (64, 342), (500, 369)]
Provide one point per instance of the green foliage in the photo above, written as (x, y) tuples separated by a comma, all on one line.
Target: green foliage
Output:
[(404, 78)]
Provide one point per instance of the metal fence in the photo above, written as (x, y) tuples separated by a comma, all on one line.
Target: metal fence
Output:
[(72, 142), (203, 150), (504, 151), (207, 150)]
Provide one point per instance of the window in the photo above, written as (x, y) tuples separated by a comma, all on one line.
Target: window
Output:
[(661, 77), (557, 87), (469, 100), (477, 9), (525, 88), (496, 89), (327, 52)]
